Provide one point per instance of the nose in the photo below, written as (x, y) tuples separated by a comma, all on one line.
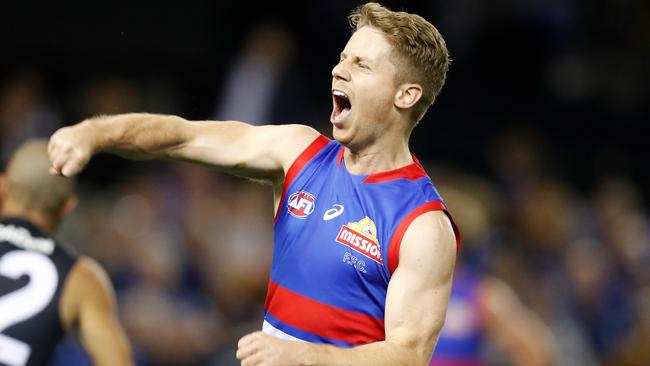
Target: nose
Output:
[(340, 72)]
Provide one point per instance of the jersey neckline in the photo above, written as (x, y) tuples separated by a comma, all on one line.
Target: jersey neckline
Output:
[(19, 221), (413, 171)]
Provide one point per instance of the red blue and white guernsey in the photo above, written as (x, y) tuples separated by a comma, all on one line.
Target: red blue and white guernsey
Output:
[(337, 240)]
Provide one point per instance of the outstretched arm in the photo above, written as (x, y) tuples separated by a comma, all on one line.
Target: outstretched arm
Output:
[(262, 152), (88, 305), (416, 304)]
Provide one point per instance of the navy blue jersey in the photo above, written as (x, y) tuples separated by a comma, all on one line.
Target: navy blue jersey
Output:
[(336, 245), (33, 270)]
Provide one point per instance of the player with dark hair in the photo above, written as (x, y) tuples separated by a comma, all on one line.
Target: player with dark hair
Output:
[(45, 291)]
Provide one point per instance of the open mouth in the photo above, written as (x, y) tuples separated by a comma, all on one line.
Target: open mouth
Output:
[(342, 106)]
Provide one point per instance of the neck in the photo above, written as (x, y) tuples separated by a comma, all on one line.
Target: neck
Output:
[(44, 222), (378, 157)]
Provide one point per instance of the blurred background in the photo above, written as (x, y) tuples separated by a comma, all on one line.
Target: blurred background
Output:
[(535, 142)]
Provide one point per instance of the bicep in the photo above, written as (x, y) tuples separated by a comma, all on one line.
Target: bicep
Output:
[(419, 288), (252, 151)]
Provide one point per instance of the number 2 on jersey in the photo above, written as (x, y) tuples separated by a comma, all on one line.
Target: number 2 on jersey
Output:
[(25, 302)]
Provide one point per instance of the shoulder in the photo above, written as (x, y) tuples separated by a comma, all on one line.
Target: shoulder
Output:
[(424, 227), (433, 227), (87, 283), (92, 281), (299, 130), (290, 142), (429, 239), (293, 139), (90, 272)]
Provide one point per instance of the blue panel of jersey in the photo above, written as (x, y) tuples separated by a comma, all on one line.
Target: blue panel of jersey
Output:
[(307, 257)]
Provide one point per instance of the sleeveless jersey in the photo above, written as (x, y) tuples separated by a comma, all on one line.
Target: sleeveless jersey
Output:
[(337, 240), (462, 337), (33, 270)]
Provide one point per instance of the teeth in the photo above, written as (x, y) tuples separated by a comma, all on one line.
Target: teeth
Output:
[(339, 93)]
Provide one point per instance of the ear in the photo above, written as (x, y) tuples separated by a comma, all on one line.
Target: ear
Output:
[(68, 206), (408, 95)]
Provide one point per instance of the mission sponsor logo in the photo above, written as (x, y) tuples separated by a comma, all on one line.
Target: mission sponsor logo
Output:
[(301, 204), (362, 237)]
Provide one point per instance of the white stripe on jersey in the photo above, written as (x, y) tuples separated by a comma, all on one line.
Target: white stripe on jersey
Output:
[(271, 330)]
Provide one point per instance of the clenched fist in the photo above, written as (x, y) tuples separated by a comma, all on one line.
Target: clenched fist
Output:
[(259, 349), (71, 148)]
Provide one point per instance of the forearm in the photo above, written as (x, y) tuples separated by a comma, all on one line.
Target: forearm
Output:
[(136, 135), (260, 152), (376, 354), (231, 146)]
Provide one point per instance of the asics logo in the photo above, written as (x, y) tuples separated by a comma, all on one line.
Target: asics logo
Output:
[(333, 212)]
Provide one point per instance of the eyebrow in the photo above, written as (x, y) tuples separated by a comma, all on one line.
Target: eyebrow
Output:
[(356, 58)]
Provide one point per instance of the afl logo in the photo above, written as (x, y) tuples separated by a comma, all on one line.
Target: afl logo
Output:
[(301, 204)]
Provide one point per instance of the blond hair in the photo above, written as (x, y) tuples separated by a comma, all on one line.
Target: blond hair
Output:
[(29, 182), (422, 55)]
